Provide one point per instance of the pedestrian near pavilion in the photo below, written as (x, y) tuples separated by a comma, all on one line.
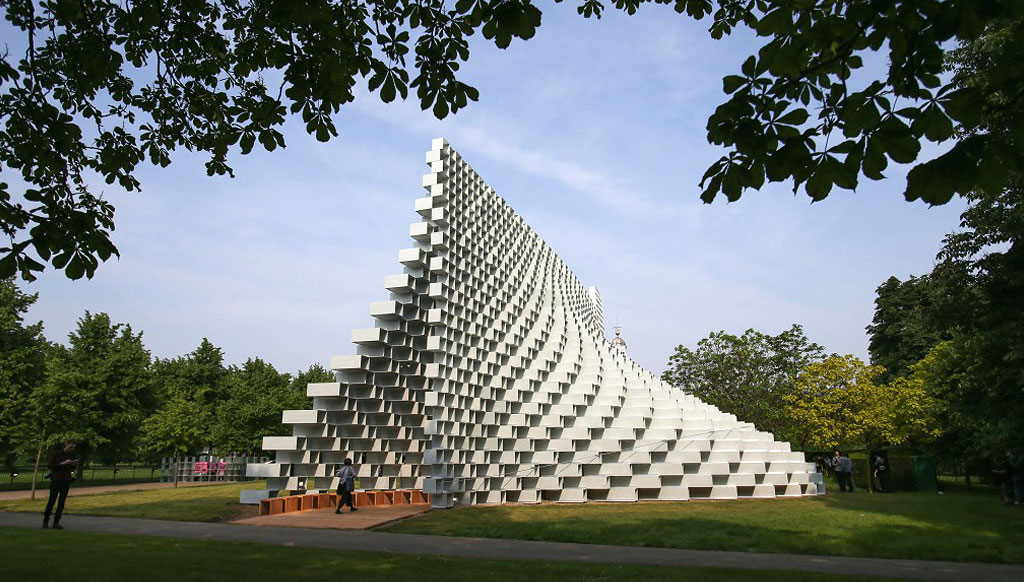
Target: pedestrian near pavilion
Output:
[(346, 485)]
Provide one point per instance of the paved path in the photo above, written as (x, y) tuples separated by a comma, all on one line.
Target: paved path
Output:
[(526, 550), (43, 489)]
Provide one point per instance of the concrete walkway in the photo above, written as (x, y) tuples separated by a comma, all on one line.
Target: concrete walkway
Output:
[(43, 489), (526, 550)]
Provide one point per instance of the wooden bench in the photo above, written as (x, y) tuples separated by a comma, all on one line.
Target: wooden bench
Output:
[(293, 503)]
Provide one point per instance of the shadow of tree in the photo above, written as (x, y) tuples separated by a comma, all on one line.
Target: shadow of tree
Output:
[(913, 525)]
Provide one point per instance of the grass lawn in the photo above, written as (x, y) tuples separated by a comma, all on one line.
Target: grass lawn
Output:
[(90, 476), (959, 526), (205, 503), (87, 557)]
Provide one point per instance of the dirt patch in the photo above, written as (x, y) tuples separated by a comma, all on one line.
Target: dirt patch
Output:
[(241, 512)]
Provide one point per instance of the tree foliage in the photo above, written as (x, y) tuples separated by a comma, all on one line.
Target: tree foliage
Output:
[(22, 367), (179, 427), (744, 375), (96, 88), (101, 387), (906, 324), (977, 370), (102, 391), (257, 393), (189, 388), (199, 375), (838, 402), (103, 86), (807, 107)]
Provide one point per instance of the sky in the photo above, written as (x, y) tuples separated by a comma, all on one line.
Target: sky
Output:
[(592, 130)]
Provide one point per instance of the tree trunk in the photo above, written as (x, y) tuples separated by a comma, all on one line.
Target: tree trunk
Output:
[(174, 470), (35, 470)]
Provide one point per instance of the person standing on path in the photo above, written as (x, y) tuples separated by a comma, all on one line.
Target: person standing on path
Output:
[(62, 472), (346, 485)]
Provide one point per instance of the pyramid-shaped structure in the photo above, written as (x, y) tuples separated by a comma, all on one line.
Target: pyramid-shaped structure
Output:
[(487, 379)]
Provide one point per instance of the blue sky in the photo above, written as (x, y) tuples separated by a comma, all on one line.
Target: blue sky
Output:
[(593, 131)]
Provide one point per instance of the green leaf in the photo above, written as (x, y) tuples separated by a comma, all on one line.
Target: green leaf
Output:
[(76, 268), (440, 108), (896, 139), (730, 83), (387, 90), (775, 22), (795, 117), (818, 185), (933, 123)]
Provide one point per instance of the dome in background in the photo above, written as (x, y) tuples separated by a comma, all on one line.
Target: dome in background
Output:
[(617, 341)]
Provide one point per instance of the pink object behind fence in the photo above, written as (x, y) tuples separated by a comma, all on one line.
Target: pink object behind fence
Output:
[(205, 468)]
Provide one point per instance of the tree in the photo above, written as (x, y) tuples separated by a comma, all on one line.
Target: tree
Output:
[(56, 415), (199, 375), (189, 388), (179, 427), (964, 439), (315, 373), (972, 300), (102, 380), (744, 375), (985, 356), (814, 61), (104, 86), (257, 393), (904, 326), (22, 367), (837, 402)]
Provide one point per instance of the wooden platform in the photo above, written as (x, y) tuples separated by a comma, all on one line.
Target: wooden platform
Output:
[(367, 517)]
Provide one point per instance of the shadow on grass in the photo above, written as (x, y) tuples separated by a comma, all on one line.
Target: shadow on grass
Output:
[(29, 555), (913, 525)]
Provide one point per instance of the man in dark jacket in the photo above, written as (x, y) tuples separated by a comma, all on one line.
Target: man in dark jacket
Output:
[(62, 473)]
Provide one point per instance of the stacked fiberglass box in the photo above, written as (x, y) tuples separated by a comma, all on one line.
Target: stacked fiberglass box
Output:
[(487, 379)]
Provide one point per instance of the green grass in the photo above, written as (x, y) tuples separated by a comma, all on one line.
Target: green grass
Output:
[(958, 526), (88, 557), (955, 526), (205, 503)]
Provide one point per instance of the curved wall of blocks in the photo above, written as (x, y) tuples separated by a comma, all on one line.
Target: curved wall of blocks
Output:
[(487, 379)]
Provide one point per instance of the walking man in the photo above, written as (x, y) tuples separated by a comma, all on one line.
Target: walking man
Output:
[(62, 473), (346, 485)]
